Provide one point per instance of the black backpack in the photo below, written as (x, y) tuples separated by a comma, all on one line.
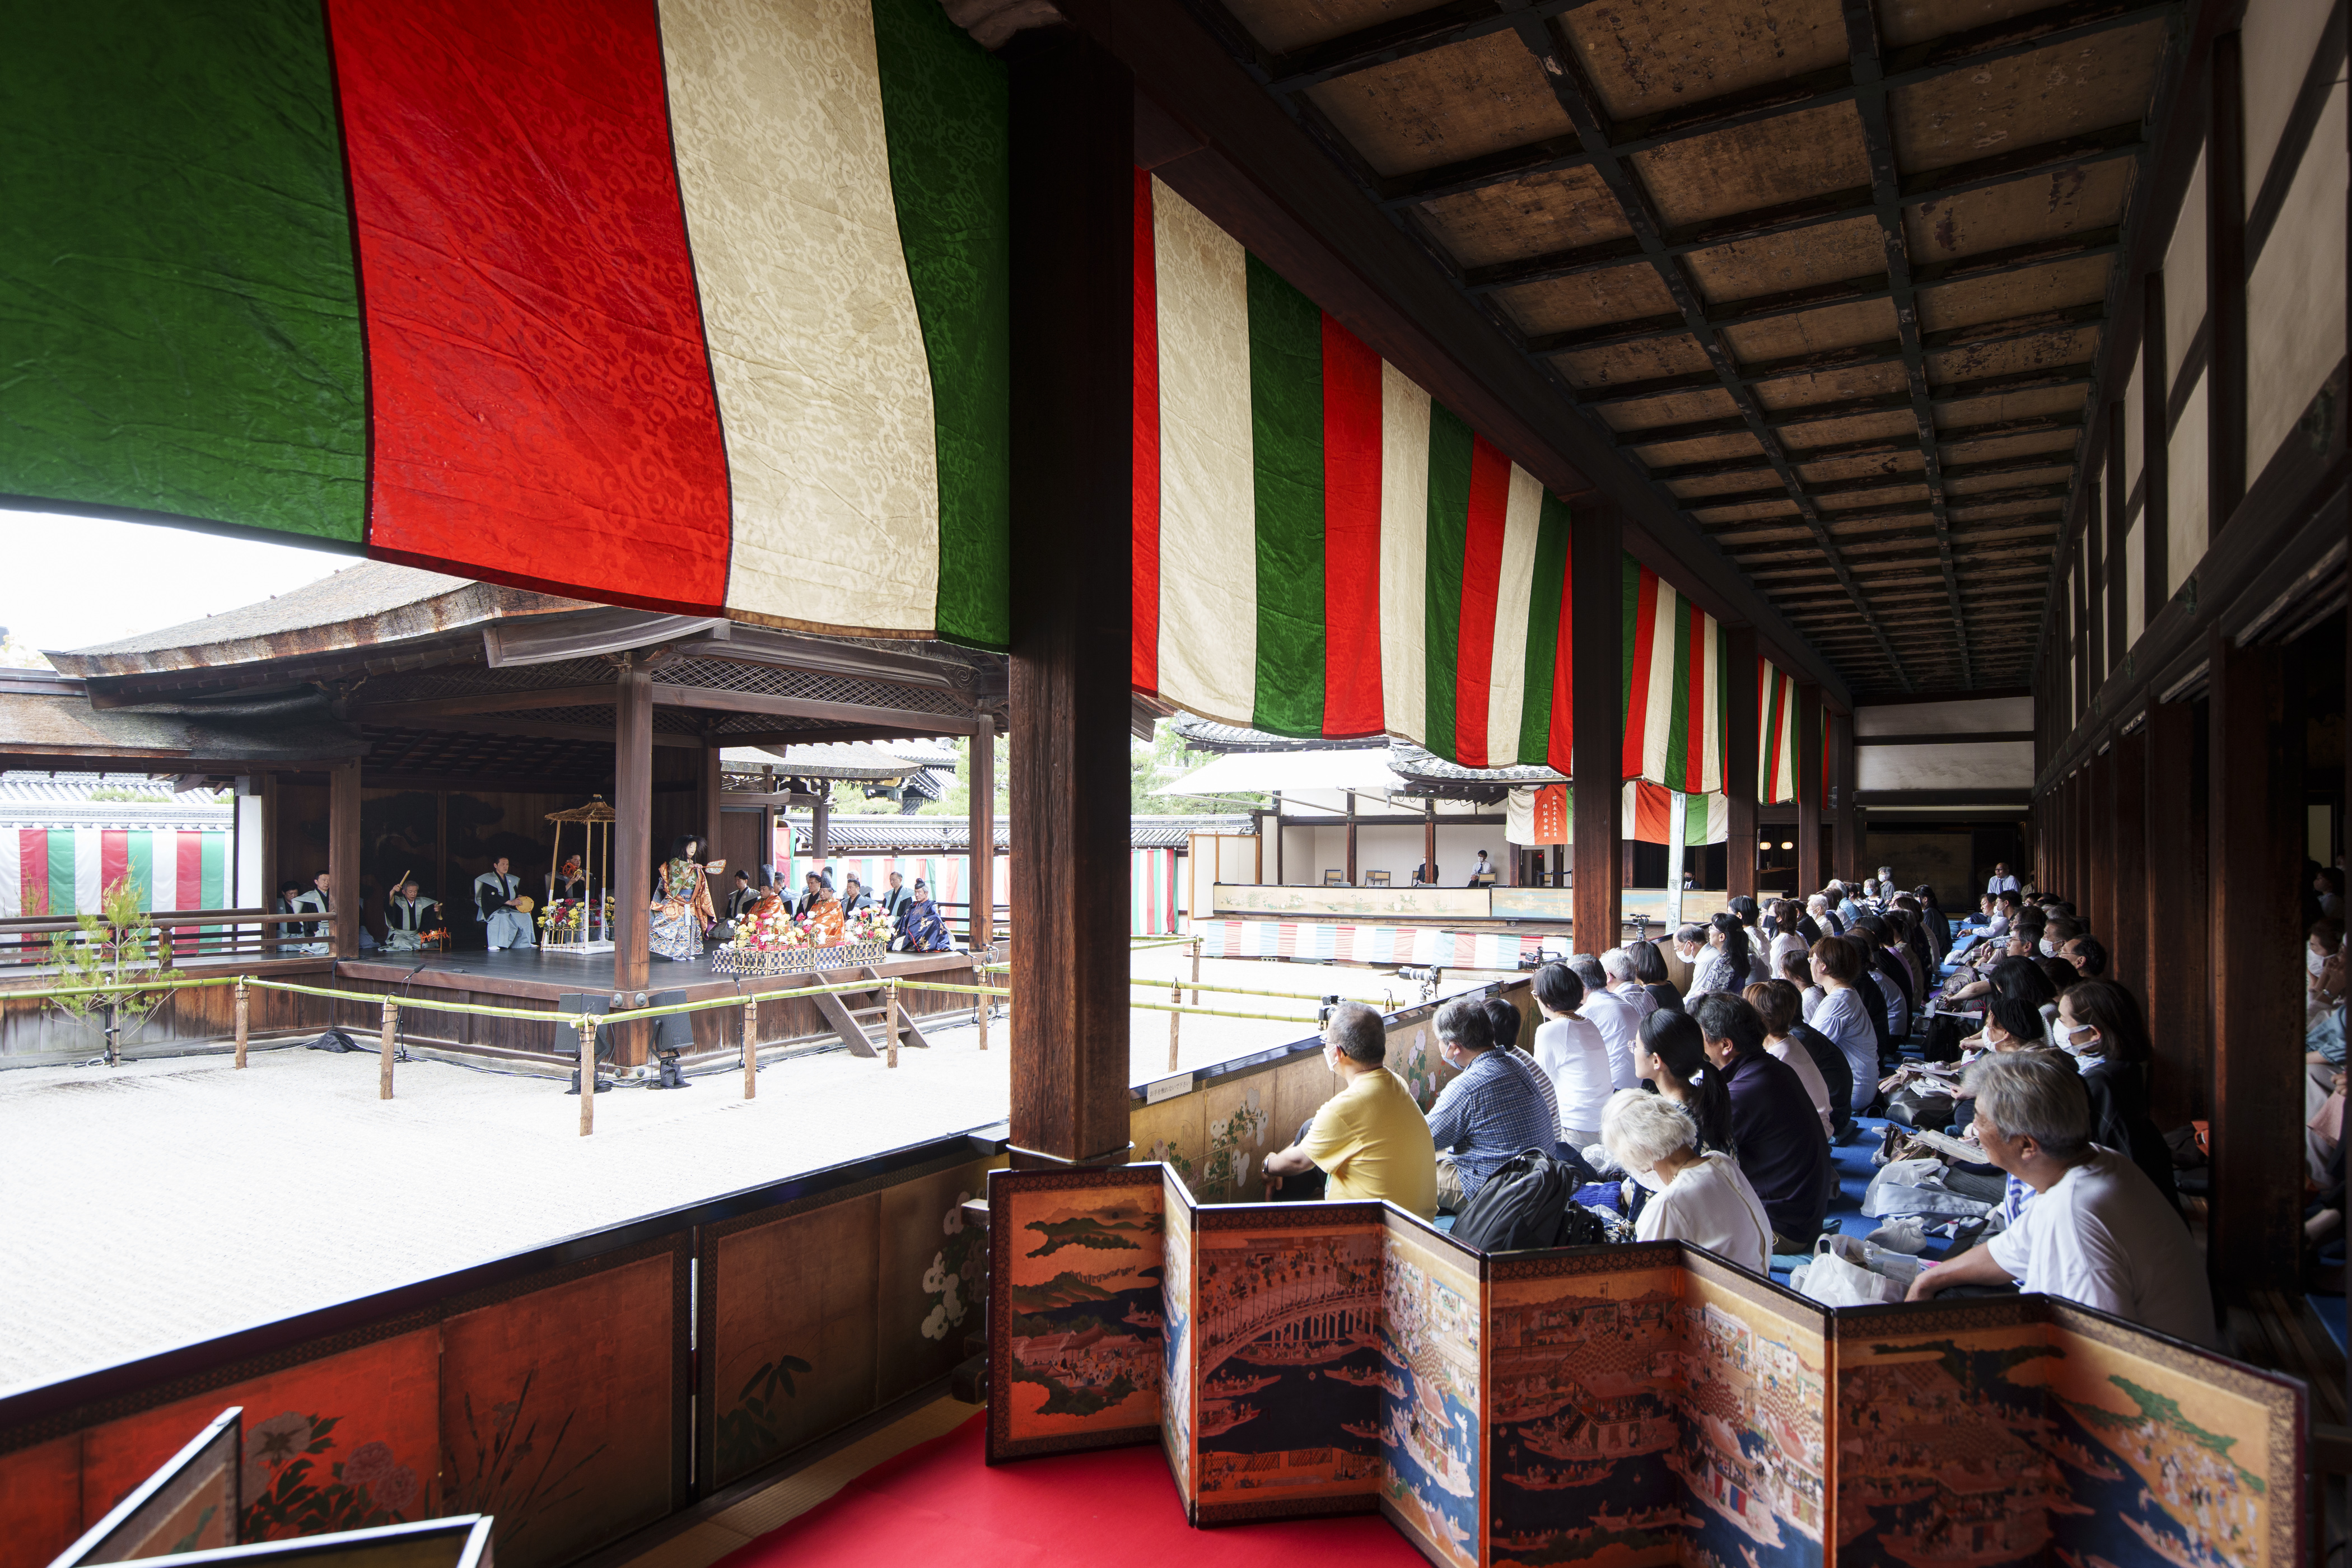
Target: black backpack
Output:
[(1529, 1203), (1943, 1039)]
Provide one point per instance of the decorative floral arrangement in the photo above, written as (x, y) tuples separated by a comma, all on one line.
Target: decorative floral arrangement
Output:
[(871, 924), (564, 918), (775, 931)]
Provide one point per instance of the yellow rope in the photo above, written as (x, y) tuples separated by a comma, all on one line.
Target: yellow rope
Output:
[(123, 986), (571, 1019), (1220, 1012)]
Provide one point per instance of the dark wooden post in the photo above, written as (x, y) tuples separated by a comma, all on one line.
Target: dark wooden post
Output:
[(982, 834), (343, 858), (1847, 831), (1428, 845), (1741, 671), (1073, 396), (2094, 597), (2177, 920), (1352, 838), (2098, 837), (2225, 286), (2255, 823), (821, 825), (708, 788), (2154, 451), (1809, 791), (2123, 891), (633, 853), (1597, 674)]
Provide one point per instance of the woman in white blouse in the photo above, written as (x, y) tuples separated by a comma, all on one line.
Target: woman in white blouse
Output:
[(1571, 1051), (1698, 1198)]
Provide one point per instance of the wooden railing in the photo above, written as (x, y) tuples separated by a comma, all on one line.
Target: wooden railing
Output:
[(179, 933)]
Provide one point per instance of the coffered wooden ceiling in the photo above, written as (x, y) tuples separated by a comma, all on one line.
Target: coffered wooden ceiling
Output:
[(1836, 277)]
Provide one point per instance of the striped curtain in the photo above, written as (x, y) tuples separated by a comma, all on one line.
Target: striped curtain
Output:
[(1776, 731), (64, 870), (1677, 703), (1322, 550)]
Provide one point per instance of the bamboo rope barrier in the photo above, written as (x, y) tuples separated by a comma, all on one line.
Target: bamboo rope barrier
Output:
[(891, 1021), (242, 1016), (587, 1028), (1175, 1020), (750, 1048), (384, 1065)]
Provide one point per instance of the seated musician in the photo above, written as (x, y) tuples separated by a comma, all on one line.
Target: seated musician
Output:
[(920, 929), (744, 896), (408, 916), (319, 901), (495, 892), (823, 915)]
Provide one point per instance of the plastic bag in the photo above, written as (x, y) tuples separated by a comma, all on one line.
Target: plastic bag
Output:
[(1908, 1236), (1915, 1186), (1833, 1280)]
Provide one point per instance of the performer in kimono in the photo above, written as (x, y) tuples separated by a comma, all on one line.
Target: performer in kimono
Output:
[(407, 915), (920, 929), (681, 908), (317, 900), (495, 892), (823, 917)]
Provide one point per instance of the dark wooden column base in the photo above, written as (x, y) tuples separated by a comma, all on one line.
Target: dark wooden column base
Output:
[(1596, 548)]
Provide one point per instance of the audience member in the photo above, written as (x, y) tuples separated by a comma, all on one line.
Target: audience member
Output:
[(1874, 999), (2086, 954), (1681, 954), (1894, 978), (1723, 960), (1671, 1056), (2328, 882), (2097, 1233), (1776, 1002), (1503, 1021), (1698, 1197), (1369, 1139), (2099, 1025), (1939, 926), (1485, 1115), (1571, 1053), (1800, 920), (1665, 999), (1843, 1019), (1650, 963), (1625, 981), (1781, 1146), (1824, 919), (2002, 881), (1615, 1017)]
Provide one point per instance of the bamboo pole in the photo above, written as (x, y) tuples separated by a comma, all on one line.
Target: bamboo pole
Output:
[(982, 1005), (587, 1028), (750, 1048), (242, 1023), (1175, 1020), (1196, 972), (891, 1021), (384, 1060)]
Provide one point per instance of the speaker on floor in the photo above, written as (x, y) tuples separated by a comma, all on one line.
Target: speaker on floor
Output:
[(673, 1036), (596, 1004)]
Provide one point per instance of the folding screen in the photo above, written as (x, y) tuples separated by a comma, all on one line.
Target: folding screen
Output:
[(1631, 1406)]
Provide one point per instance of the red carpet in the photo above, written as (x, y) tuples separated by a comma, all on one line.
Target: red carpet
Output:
[(938, 1504)]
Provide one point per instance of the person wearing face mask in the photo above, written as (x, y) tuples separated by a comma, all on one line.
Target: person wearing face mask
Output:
[(1491, 1111), (1682, 952), (1369, 1139), (1722, 959), (2086, 955), (1782, 1149), (2097, 1232), (2099, 1026), (2323, 990), (1697, 1197)]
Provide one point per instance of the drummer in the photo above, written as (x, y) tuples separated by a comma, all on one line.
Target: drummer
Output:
[(407, 915), (496, 894)]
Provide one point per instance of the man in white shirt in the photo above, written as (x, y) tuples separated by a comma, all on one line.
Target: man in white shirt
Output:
[(2097, 1232), (2000, 881), (1610, 1010), (1617, 964)]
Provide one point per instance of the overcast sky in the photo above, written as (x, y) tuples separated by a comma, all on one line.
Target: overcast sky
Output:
[(68, 582)]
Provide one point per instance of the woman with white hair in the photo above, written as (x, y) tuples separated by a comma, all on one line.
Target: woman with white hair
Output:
[(1696, 1197)]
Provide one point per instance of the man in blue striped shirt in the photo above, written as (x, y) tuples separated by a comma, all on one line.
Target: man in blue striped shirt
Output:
[(1491, 1112)]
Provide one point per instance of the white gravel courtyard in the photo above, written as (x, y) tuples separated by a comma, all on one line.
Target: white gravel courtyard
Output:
[(169, 1201)]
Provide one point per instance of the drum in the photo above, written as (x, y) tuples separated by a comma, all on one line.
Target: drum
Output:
[(523, 903)]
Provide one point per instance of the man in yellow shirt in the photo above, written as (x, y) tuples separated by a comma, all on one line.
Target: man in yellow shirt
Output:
[(1370, 1138)]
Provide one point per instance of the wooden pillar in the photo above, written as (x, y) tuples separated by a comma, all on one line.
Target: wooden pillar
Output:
[(2174, 860), (2154, 451), (2094, 597), (2118, 566), (982, 834), (1073, 224), (1809, 791), (1278, 878), (2255, 826), (1848, 826), (1739, 761), (821, 825), (2225, 286), (1352, 838), (1559, 866), (1596, 576), (2077, 605), (2098, 839), (2125, 890), (343, 858), (708, 787), (633, 853)]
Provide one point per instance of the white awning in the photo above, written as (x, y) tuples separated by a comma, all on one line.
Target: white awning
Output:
[(1262, 773)]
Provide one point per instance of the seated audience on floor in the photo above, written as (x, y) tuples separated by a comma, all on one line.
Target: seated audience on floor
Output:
[(1697, 1196), (1503, 1022), (1614, 1015), (1797, 969), (2327, 881), (1872, 992), (1989, 915), (2086, 955), (2010, 1024), (2322, 988), (1888, 969), (1650, 963), (1936, 924), (1820, 1066), (1665, 999), (1369, 1138), (1824, 919), (1721, 959), (2097, 1232), (1781, 1145), (1681, 954), (2099, 1025), (1843, 1018), (1571, 1053), (1491, 1111)]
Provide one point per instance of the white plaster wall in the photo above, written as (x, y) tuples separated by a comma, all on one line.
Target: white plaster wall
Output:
[(1971, 716), (1982, 764), (2186, 534), (2295, 295), (2276, 41)]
